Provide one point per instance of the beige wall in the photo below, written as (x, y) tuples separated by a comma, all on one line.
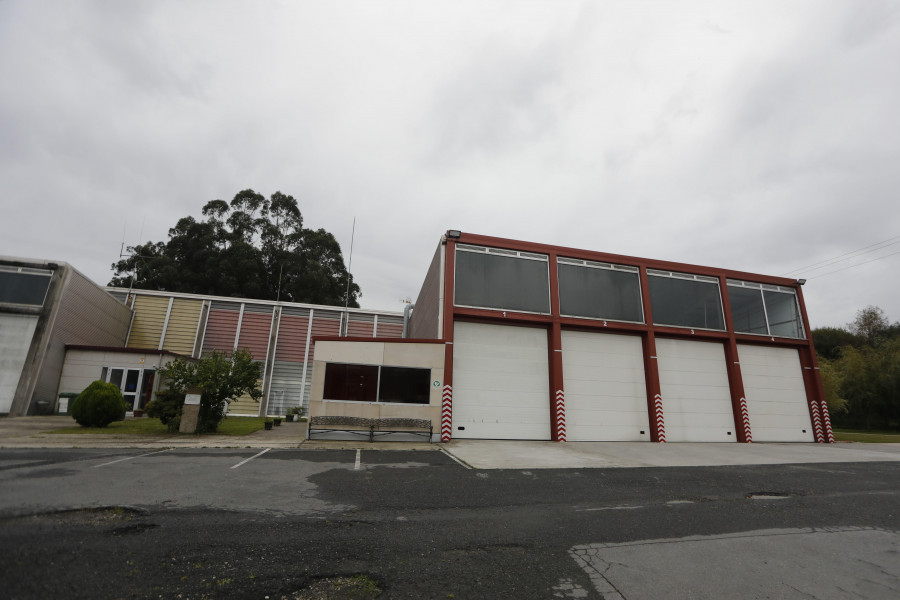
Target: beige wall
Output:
[(393, 354), (82, 367)]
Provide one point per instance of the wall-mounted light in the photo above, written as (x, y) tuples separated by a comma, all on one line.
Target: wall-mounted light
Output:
[(801, 281), (454, 233)]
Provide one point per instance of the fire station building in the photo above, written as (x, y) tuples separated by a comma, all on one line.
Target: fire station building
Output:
[(521, 340)]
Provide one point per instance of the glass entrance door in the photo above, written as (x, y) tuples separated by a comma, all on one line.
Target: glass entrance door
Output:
[(129, 382)]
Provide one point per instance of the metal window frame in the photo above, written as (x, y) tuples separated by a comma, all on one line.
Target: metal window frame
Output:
[(521, 254), (377, 385), (592, 264), (765, 287), (689, 277)]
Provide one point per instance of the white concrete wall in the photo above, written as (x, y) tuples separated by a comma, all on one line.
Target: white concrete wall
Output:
[(16, 332), (393, 354), (82, 367)]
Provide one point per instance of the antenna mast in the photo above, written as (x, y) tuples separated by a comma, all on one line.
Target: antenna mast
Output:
[(347, 293)]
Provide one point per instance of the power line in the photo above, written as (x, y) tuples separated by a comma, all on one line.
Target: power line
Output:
[(856, 265), (842, 257)]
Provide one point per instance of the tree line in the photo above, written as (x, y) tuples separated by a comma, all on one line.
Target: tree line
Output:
[(250, 247), (860, 367)]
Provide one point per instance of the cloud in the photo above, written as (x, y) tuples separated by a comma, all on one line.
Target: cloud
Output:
[(751, 136)]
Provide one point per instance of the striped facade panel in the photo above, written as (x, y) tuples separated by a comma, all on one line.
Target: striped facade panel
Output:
[(221, 327), (244, 405), (325, 323), (388, 329), (181, 331), (286, 389), (254, 336), (149, 318), (291, 345), (361, 326)]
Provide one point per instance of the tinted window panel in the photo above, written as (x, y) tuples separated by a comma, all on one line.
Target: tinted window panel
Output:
[(747, 310), (23, 288), (784, 317), (685, 303), (351, 382), (406, 385), (599, 293), (504, 282)]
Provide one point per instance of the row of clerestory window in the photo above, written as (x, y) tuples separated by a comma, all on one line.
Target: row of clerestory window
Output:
[(520, 281)]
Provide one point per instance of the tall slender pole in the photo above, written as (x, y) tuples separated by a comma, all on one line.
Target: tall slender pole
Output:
[(347, 293)]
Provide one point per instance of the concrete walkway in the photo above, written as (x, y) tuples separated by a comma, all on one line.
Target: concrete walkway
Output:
[(30, 432), (497, 454)]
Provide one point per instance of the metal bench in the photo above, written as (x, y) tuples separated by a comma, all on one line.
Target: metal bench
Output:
[(390, 425), (370, 427)]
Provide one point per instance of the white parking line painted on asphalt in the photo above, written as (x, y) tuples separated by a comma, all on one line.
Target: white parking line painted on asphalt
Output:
[(130, 458), (358, 453), (246, 460)]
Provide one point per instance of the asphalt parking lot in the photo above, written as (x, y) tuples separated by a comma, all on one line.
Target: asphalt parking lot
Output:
[(300, 523)]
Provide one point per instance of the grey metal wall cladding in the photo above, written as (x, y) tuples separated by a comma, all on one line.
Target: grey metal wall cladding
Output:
[(385, 319), (328, 314), (258, 308), (295, 311), (424, 322), (361, 318), (220, 305), (308, 387), (86, 315), (286, 390)]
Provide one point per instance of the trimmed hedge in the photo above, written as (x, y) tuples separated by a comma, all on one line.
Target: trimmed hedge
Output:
[(98, 405)]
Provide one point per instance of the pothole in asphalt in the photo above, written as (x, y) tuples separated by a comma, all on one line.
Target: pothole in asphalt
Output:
[(347, 587), (768, 495), (97, 516)]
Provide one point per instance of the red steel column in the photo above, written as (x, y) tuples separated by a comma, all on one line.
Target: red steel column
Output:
[(447, 394), (557, 389), (815, 397), (651, 368), (735, 377), (812, 378), (558, 408)]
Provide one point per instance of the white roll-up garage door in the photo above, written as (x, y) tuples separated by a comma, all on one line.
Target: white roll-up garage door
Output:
[(606, 393), (501, 382), (695, 394), (776, 396)]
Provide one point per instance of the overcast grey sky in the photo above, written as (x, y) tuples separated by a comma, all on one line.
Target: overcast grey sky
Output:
[(759, 136)]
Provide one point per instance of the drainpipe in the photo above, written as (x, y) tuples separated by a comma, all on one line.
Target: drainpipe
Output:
[(406, 310)]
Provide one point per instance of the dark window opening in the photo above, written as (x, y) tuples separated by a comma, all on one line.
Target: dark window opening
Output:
[(686, 303), (502, 282), (599, 293), (369, 383), (351, 382), (23, 288)]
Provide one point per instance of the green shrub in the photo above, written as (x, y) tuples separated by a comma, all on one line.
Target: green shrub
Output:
[(167, 408), (98, 405)]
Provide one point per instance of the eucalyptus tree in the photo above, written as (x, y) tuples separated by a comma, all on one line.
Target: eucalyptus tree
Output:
[(251, 247)]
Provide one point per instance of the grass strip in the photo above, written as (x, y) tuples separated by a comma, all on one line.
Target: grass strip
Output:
[(236, 426), (868, 437)]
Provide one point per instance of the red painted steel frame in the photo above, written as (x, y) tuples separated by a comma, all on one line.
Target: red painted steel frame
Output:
[(647, 330), (447, 393), (651, 369), (735, 379)]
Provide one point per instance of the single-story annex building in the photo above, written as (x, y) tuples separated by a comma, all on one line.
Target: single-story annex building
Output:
[(59, 331), (520, 340)]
